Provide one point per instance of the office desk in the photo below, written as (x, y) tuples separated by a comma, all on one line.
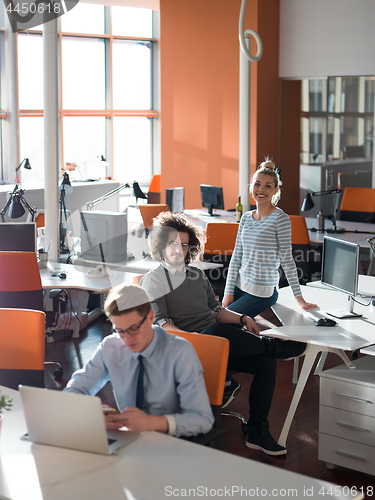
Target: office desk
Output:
[(152, 467), (77, 278), (366, 286), (198, 216), (364, 231), (348, 335)]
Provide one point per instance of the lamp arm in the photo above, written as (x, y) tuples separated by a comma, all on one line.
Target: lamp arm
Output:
[(328, 191), (92, 204), (26, 205)]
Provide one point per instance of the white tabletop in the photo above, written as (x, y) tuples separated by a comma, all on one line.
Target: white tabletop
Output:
[(77, 277), (365, 231), (152, 467), (366, 285)]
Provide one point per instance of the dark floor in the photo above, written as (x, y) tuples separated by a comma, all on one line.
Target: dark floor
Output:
[(302, 444)]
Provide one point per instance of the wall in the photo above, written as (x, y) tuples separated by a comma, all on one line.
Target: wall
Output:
[(200, 93), (326, 38)]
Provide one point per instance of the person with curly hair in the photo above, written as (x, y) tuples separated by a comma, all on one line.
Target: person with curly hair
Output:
[(183, 299), (263, 244)]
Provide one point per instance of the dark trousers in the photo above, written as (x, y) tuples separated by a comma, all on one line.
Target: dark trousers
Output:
[(251, 354)]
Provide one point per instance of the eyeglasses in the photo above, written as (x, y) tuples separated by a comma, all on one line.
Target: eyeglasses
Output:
[(133, 330), (175, 244)]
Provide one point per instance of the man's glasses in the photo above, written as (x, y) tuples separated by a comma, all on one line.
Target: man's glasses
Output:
[(133, 330), (175, 244)]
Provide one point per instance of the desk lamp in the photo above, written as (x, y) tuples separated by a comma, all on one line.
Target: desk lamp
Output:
[(308, 204), (17, 204), (26, 165), (137, 192), (65, 188)]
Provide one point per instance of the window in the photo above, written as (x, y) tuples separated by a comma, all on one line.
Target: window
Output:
[(106, 108), (337, 113)]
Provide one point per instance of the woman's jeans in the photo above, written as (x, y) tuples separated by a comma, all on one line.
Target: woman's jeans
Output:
[(251, 305)]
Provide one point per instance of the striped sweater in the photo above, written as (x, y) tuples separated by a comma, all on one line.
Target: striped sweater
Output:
[(261, 247)]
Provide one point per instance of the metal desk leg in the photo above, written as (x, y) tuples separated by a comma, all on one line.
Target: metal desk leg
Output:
[(319, 366), (77, 323), (311, 353)]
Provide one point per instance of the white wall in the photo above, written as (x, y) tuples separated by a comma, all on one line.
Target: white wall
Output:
[(327, 38)]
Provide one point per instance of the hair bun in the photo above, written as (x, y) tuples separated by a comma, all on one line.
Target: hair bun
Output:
[(267, 163)]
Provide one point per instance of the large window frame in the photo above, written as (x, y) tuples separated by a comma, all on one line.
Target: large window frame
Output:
[(109, 112)]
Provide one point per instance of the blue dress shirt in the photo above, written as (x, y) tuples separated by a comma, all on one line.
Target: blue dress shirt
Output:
[(173, 381)]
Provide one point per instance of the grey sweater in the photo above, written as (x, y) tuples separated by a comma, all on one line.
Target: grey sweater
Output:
[(187, 300)]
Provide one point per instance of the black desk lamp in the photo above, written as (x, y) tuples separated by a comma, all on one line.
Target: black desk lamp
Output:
[(26, 165), (65, 188), (308, 204), (137, 192), (17, 204)]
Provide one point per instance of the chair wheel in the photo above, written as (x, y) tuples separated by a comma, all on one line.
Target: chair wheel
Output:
[(244, 428), (58, 372)]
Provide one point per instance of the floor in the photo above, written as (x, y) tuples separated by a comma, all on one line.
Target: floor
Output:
[(302, 444)]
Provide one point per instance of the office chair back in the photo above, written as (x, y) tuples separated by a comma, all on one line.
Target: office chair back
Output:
[(358, 204), (154, 189), (20, 282), (219, 246), (213, 354), (22, 347), (150, 211)]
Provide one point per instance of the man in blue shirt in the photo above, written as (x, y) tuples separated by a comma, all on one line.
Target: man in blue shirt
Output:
[(172, 398)]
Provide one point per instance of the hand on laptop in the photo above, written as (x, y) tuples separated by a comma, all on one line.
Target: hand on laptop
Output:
[(136, 420)]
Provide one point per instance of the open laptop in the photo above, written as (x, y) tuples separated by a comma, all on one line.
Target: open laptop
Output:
[(67, 420)]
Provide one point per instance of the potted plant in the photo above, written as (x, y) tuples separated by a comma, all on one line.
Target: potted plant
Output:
[(5, 404)]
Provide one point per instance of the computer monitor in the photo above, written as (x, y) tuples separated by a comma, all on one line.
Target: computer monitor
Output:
[(212, 197), (18, 237), (108, 229), (175, 199), (340, 271)]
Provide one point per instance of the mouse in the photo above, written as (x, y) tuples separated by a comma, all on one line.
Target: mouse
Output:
[(325, 322), (62, 276)]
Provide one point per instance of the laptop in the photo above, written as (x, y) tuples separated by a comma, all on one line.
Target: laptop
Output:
[(67, 420)]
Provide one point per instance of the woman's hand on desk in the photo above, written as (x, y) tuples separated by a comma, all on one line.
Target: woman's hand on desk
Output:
[(305, 305), (136, 420), (227, 300)]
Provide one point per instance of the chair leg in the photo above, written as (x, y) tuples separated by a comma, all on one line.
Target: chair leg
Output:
[(226, 413)]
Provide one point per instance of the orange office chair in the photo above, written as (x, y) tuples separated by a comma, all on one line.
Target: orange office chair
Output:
[(22, 342), (154, 189), (20, 282), (307, 260), (219, 246), (149, 212), (358, 204), (213, 353), (137, 278), (21, 287)]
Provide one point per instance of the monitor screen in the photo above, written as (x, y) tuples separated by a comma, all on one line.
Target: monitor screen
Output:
[(340, 266), (212, 197), (175, 199), (18, 237), (104, 236)]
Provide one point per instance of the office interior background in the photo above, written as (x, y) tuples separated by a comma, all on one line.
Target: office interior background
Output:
[(154, 89)]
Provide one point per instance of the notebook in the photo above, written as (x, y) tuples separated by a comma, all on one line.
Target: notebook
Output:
[(67, 420)]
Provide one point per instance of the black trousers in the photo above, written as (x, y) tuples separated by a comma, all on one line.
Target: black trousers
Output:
[(254, 355)]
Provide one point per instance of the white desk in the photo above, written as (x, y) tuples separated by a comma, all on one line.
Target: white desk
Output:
[(348, 334), (198, 216), (77, 278), (366, 286), (152, 467), (364, 231)]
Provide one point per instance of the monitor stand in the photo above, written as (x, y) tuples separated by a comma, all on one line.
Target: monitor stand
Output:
[(345, 313), (209, 213)]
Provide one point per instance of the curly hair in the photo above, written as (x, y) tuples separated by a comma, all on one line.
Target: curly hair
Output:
[(165, 223), (267, 167)]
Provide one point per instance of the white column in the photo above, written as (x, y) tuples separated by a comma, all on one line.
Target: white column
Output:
[(11, 156), (51, 156)]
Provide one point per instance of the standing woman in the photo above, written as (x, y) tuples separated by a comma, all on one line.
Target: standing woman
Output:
[(263, 244)]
